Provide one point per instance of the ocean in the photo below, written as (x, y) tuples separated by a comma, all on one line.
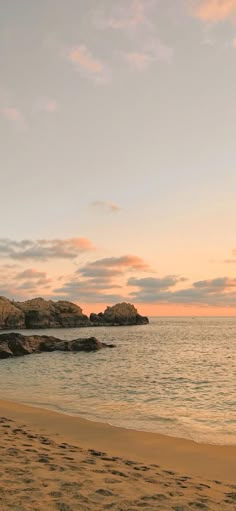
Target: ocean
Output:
[(175, 376)]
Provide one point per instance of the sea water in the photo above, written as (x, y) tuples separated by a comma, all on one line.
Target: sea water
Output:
[(175, 376)]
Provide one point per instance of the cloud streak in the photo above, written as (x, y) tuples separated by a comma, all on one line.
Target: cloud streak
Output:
[(153, 51), (14, 116), (43, 249), (88, 65), (106, 206), (215, 292)]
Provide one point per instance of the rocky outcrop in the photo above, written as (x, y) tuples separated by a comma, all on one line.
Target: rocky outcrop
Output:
[(121, 314), (10, 315), (16, 345), (40, 313)]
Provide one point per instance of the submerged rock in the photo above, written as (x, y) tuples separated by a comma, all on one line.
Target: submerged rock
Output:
[(16, 345)]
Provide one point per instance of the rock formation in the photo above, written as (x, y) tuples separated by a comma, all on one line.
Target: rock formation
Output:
[(16, 345), (10, 315), (40, 313), (117, 315)]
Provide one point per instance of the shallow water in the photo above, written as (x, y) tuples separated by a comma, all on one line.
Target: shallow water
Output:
[(176, 376)]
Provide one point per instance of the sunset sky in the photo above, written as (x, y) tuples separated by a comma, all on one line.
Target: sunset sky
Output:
[(118, 153)]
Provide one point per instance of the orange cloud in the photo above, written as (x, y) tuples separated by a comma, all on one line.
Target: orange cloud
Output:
[(81, 243), (85, 59), (88, 64), (216, 10)]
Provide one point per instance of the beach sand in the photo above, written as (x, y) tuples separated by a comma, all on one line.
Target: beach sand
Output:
[(51, 461)]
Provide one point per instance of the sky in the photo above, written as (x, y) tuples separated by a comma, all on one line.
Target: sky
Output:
[(118, 153)]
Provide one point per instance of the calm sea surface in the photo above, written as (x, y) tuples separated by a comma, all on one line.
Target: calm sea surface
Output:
[(176, 376)]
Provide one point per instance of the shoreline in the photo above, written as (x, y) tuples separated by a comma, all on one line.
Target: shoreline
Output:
[(57, 409), (208, 461)]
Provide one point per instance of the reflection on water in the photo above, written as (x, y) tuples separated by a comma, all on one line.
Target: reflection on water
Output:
[(175, 376)]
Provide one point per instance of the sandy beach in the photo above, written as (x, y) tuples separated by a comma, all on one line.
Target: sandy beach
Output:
[(51, 461)]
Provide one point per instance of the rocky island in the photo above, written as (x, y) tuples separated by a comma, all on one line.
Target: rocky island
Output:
[(16, 345), (40, 313)]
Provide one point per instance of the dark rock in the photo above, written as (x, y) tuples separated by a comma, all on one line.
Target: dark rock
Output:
[(121, 314), (16, 345), (10, 315), (40, 313)]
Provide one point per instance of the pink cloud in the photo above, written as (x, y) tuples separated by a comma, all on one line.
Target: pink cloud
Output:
[(51, 106), (45, 105), (82, 58), (83, 244), (14, 116), (127, 261), (216, 10)]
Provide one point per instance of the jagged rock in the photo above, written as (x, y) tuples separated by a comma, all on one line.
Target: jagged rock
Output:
[(10, 315), (40, 313), (119, 314), (16, 345)]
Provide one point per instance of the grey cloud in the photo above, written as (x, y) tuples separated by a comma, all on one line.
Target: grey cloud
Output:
[(215, 292), (88, 291), (31, 274), (219, 283), (93, 281), (44, 249), (126, 261), (98, 272), (154, 283)]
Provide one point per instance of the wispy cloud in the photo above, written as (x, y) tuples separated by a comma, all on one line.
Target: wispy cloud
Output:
[(153, 51), (88, 64), (45, 105), (18, 285), (106, 206), (132, 262), (138, 61), (216, 10), (51, 106), (126, 17), (44, 249), (216, 292), (232, 259), (14, 115)]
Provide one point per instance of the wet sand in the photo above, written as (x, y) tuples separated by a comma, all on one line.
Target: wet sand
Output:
[(51, 461)]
